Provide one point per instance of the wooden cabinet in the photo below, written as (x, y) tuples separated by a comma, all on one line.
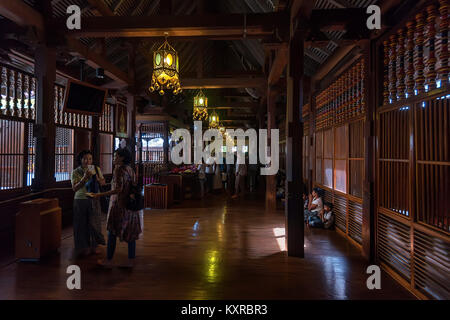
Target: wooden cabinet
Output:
[(38, 228), (156, 196), (174, 183)]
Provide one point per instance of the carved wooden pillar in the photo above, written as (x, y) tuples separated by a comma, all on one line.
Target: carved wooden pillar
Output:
[(343, 97), (29, 89), (62, 115), (401, 64), (8, 92), (345, 88), (419, 41), (431, 34), (386, 73), (443, 55), (352, 92), (22, 96), (359, 97), (364, 71), (15, 76), (393, 68), (410, 59), (328, 96), (55, 104)]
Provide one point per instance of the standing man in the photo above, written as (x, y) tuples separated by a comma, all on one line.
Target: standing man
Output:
[(241, 173), (209, 170)]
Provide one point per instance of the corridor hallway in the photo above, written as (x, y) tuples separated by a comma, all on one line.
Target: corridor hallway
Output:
[(215, 249)]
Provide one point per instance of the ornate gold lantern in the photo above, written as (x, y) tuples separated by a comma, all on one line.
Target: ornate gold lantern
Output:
[(213, 120), (165, 70), (200, 107)]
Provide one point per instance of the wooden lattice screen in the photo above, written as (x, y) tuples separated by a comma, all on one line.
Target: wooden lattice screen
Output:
[(413, 158), (339, 148), (153, 158), (17, 113)]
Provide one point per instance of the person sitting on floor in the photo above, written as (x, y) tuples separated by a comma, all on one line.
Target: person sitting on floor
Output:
[(305, 201), (315, 204), (326, 218)]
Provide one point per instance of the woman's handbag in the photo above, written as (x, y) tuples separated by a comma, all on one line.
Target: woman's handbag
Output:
[(104, 201), (135, 200)]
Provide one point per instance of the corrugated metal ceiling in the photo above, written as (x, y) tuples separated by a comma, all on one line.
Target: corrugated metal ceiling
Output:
[(248, 50)]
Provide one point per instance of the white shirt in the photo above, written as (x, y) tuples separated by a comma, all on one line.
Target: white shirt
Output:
[(327, 216), (209, 169), (317, 201)]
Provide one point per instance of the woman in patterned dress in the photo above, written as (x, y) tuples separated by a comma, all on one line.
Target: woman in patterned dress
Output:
[(122, 223)]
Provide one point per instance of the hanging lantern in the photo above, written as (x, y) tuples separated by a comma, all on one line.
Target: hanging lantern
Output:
[(165, 70), (200, 107), (213, 120)]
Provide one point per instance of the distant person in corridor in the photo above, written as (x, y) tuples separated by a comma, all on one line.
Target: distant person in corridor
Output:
[(241, 173)]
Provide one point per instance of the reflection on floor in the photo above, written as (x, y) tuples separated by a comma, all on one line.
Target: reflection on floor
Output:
[(215, 249)]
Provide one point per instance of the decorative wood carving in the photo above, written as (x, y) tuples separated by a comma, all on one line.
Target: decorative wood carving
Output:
[(431, 34), (410, 59), (443, 55), (419, 41), (401, 64)]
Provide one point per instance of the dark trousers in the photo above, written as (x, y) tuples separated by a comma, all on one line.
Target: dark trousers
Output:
[(314, 221), (112, 247), (252, 182), (209, 181), (82, 209)]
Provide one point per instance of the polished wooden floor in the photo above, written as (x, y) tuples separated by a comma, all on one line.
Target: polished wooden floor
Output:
[(215, 249)]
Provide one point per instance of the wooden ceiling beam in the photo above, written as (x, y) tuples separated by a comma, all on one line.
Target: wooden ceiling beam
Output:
[(332, 61), (217, 83), (339, 20), (95, 60), (24, 15), (342, 4), (101, 6), (239, 119), (117, 7), (61, 71), (217, 25), (235, 105), (278, 65)]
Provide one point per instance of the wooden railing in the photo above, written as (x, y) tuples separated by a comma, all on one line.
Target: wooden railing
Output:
[(416, 57), (17, 93)]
